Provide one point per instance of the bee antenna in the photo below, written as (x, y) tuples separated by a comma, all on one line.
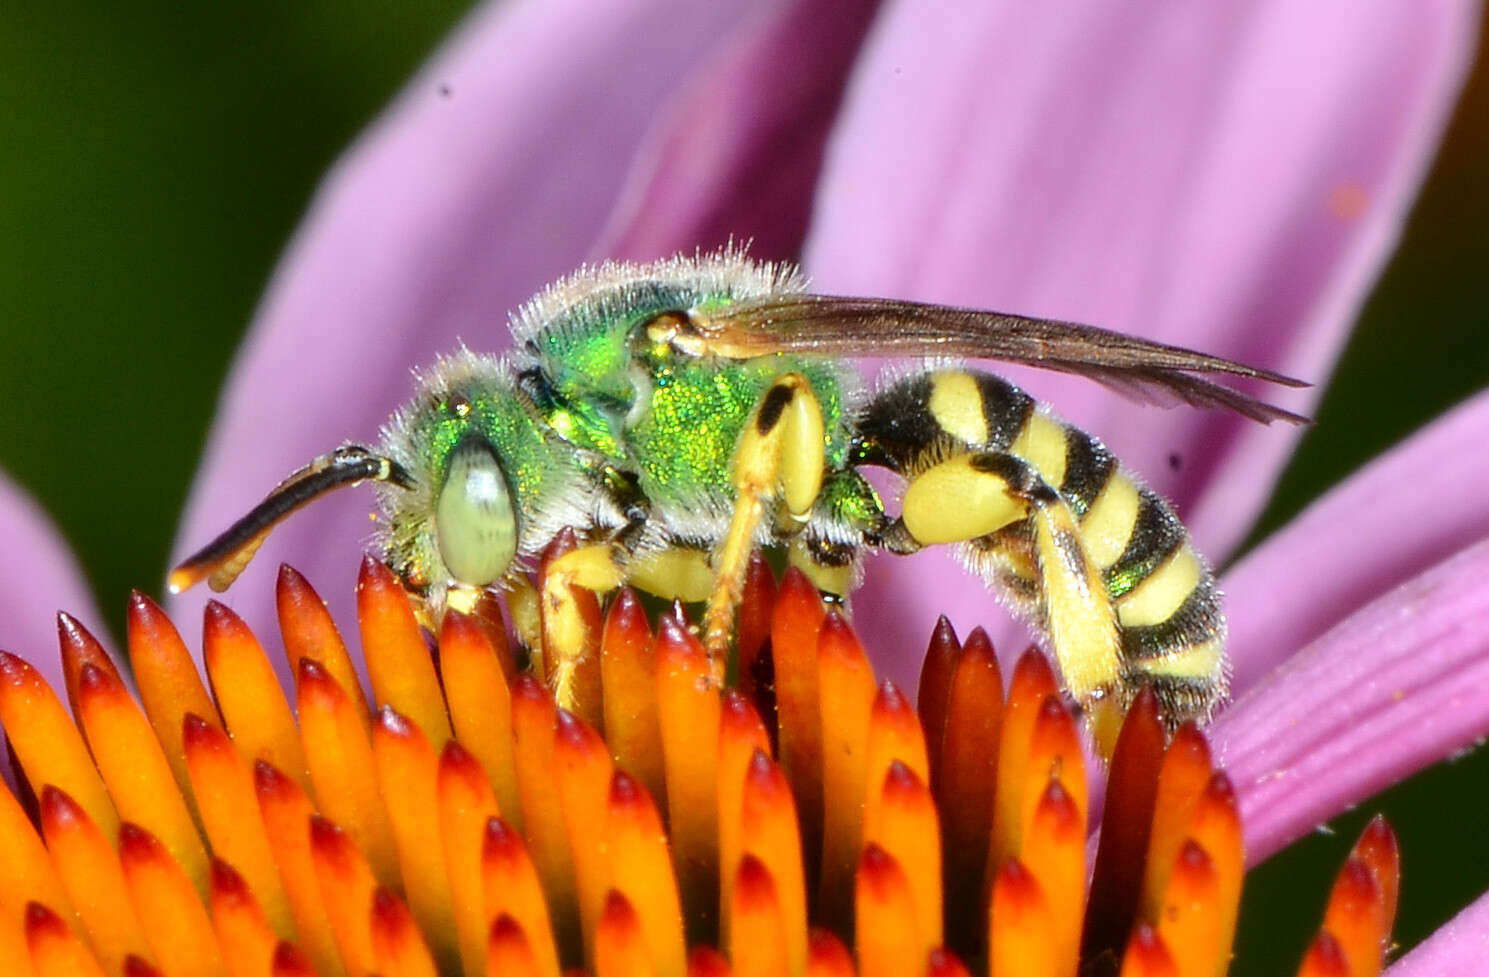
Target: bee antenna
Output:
[(220, 561)]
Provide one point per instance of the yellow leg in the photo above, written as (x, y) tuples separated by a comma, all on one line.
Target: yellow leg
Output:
[(831, 579), (564, 632), (1081, 621), (674, 574), (964, 497), (970, 496), (527, 620), (780, 451)]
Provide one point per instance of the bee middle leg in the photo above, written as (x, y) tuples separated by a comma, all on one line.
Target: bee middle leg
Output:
[(974, 495), (555, 624), (781, 451)]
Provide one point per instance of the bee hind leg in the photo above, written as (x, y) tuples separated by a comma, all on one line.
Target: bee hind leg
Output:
[(781, 451), (974, 495)]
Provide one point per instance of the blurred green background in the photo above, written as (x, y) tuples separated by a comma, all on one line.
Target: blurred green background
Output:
[(154, 160)]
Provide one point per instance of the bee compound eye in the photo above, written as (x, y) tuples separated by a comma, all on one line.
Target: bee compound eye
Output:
[(475, 524)]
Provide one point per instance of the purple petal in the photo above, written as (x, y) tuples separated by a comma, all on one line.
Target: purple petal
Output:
[(38, 578), (738, 157), (1227, 176), (1460, 947), (1342, 552), (491, 176), (1400, 684)]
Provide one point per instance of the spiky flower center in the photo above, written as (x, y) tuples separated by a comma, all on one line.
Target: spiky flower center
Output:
[(807, 819)]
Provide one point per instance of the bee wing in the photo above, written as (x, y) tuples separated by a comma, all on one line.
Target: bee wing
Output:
[(838, 326)]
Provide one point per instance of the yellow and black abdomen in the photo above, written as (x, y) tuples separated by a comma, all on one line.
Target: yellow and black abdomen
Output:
[(1160, 595)]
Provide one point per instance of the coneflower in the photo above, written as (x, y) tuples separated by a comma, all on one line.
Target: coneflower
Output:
[(805, 819)]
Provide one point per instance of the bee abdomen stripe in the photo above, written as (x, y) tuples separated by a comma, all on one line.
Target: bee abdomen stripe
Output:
[(898, 423), (1156, 533), (1195, 622), (978, 409), (921, 419), (1088, 467), (1109, 520), (1005, 407), (1160, 595), (956, 404), (1042, 442), (1197, 662)]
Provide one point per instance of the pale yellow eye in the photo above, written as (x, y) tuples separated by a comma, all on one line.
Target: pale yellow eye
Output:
[(474, 521)]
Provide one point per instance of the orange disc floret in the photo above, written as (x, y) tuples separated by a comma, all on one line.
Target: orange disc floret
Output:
[(457, 821)]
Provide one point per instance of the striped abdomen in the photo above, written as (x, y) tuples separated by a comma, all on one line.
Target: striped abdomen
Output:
[(1170, 626)]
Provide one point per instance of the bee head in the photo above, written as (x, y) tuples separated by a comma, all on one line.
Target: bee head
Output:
[(470, 480), (451, 521), (491, 479)]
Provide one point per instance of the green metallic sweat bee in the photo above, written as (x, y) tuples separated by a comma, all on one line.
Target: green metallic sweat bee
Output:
[(681, 413)]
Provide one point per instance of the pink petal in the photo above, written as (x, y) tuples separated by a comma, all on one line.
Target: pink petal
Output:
[(1226, 175), (1389, 522), (1460, 947), (38, 578), (738, 157), (1400, 684), (492, 175)]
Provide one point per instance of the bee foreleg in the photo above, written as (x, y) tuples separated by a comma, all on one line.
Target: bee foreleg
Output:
[(973, 495), (527, 617), (565, 636), (781, 450)]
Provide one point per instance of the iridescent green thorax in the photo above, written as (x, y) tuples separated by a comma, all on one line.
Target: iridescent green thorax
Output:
[(584, 337), (585, 379), (674, 419), (585, 352), (585, 355), (684, 441)]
